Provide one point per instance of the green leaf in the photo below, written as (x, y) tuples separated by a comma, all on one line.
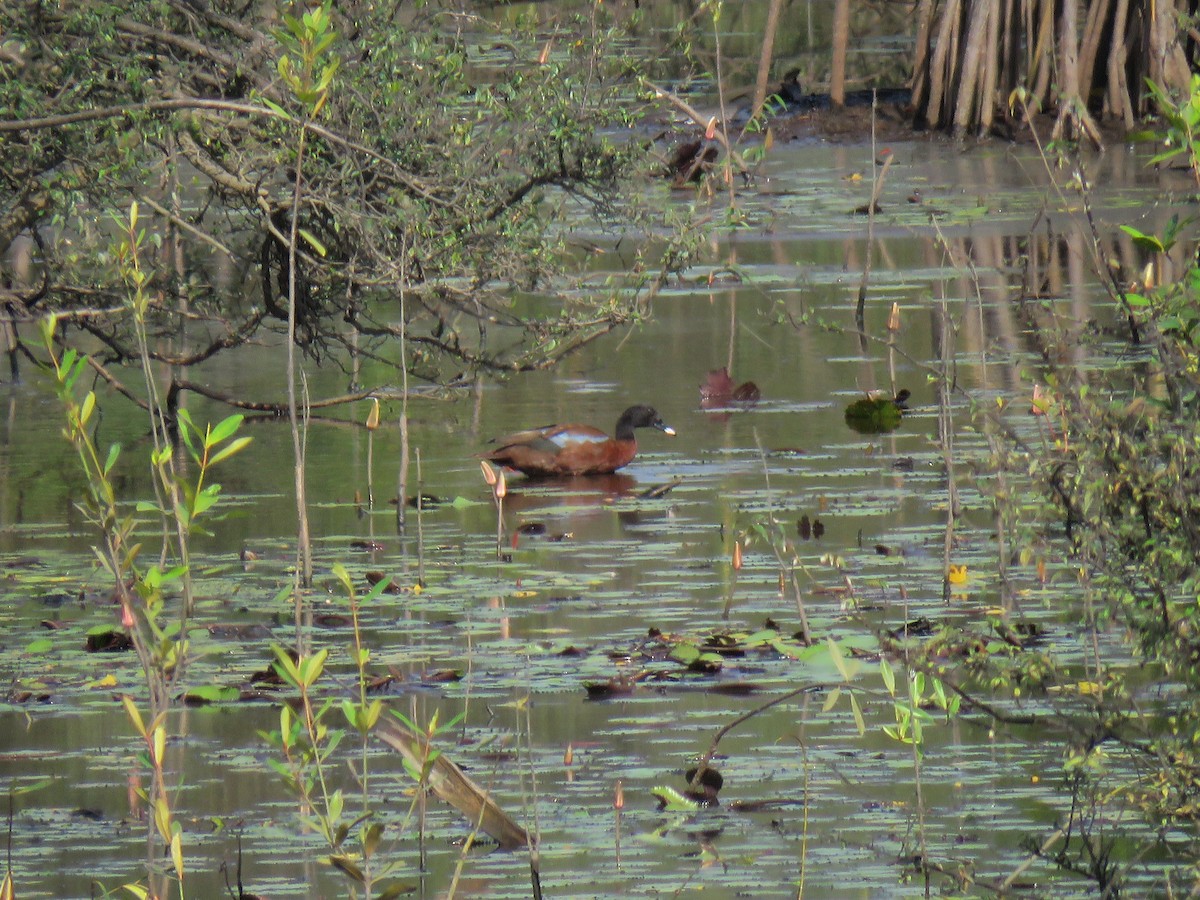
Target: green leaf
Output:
[(858, 716), (374, 710), (347, 865), (135, 715), (311, 667), (839, 660), (286, 667), (336, 803), (311, 240), (673, 800), (407, 722), (88, 407), (352, 711), (1145, 241), (72, 368), (186, 431), (766, 636), (114, 451), (18, 790), (790, 649), (376, 590), (223, 430), (206, 499), (832, 699), (888, 675), (343, 576), (225, 452), (276, 108), (174, 574), (372, 835), (685, 653)]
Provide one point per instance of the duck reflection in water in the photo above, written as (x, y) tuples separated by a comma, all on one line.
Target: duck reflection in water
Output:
[(567, 508)]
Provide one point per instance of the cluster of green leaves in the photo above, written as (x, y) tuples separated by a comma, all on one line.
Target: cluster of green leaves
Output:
[(448, 164), (1118, 475), (1134, 488), (1181, 119), (310, 741), (43, 48), (308, 68), (923, 692), (117, 527), (182, 503), (159, 638)]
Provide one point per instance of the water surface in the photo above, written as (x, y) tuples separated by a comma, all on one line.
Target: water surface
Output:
[(774, 300)]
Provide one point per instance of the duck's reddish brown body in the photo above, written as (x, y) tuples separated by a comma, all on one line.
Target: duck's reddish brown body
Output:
[(575, 449)]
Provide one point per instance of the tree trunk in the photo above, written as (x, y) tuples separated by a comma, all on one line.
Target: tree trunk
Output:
[(920, 75), (991, 68), (1068, 52), (971, 55), (1168, 63), (1119, 103), (968, 99), (1011, 74), (1098, 16), (1041, 60), (841, 40), (1073, 120), (939, 69), (764, 60)]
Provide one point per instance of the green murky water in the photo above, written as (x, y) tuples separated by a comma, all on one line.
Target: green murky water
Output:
[(557, 614)]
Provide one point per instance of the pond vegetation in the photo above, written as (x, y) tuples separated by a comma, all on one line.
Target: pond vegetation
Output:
[(907, 605)]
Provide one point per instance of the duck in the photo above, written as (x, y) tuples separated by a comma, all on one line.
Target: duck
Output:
[(575, 449), (718, 390)]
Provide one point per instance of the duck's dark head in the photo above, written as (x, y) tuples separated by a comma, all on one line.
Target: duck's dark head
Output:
[(640, 417)]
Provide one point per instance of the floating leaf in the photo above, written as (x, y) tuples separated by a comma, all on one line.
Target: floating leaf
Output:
[(685, 653), (211, 693), (1083, 688)]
